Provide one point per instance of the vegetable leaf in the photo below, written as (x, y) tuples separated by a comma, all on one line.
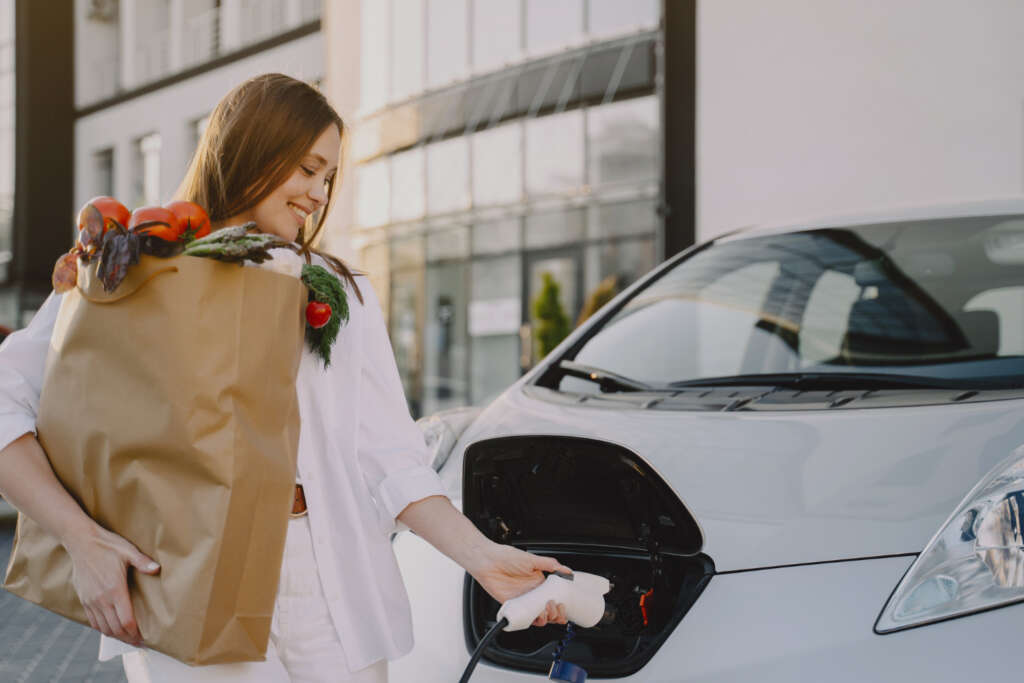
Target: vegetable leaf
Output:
[(325, 287)]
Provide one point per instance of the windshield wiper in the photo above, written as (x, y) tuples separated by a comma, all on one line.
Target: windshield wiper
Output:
[(809, 381), (608, 380)]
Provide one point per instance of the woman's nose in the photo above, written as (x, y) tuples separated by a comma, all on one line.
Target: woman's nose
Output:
[(319, 195)]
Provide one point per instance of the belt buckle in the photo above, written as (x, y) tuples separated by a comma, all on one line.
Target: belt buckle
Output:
[(299, 501)]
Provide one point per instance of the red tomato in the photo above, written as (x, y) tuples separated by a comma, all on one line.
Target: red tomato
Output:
[(156, 221), (195, 223), (317, 314), (111, 209)]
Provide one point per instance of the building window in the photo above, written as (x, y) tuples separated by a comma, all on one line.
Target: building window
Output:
[(408, 185), (448, 176), (373, 193), (622, 140), (497, 33), (261, 19), (494, 320), (446, 342), (625, 260), (147, 165), (498, 165), (614, 17), (553, 24), (621, 219), (407, 32), (447, 36), (554, 228), (200, 34), (103, 172), (554, 153), (152, 41), (496, 237), (375, 64)]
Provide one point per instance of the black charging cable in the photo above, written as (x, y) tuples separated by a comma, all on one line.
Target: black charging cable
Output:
[(484, 642)]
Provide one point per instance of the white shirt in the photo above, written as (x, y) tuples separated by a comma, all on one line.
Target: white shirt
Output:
[(361, 460)]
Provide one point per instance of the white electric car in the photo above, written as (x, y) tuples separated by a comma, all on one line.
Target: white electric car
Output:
[(795, 452)]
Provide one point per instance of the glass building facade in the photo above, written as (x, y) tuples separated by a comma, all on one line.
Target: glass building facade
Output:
[(499, 141)]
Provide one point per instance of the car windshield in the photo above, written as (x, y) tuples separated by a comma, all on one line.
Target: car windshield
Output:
[(938, 299)]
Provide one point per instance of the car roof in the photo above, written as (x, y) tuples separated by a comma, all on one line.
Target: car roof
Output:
[(988, 207)]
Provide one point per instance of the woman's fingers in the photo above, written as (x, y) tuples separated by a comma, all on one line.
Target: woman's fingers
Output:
[(101, 623), (126, 616), (92, 619), (550, 564), (552, 611), (141, 561)]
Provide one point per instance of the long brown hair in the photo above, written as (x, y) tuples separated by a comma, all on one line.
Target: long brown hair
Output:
[(256, 137)]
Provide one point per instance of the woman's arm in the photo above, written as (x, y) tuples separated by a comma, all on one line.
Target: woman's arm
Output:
[(99, 557), (394, 458), (503, 571)]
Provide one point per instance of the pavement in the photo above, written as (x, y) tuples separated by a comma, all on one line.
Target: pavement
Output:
[(37, 646)]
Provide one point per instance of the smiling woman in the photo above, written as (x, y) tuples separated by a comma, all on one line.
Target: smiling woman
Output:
[(270, 154)]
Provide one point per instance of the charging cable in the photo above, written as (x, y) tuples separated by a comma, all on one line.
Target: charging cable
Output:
[(583, 597)]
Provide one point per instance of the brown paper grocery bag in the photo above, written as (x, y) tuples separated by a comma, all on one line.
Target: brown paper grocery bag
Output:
[(169, 412)]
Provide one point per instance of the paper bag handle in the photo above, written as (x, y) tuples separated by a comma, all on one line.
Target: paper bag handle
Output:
[(124, 295)]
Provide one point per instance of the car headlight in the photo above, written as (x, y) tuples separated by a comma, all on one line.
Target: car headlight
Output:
[(974, 563), (441, 431)]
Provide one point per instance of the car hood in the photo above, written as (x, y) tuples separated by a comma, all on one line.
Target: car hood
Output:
[(792, 487)]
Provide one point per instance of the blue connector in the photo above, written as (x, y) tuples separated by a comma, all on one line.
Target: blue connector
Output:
[(567, 671)]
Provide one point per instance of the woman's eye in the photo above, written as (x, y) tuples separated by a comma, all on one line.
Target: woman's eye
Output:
[(306, 170)]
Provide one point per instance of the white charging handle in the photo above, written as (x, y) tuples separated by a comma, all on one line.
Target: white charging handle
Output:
[(581, 593)]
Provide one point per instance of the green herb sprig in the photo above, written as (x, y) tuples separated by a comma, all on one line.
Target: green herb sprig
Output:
[(325, 287)]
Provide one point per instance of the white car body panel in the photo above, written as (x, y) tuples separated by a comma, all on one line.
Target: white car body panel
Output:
[(791, 487), (808, 623)]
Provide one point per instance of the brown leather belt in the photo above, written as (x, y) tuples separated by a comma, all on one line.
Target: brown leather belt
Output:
[(299, 504)]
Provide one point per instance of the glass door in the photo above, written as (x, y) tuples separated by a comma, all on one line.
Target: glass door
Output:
[(554, 283)]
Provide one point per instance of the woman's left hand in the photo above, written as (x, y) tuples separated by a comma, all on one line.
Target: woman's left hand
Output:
[(506, 572)]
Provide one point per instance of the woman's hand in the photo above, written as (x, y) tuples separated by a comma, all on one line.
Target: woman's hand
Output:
[(100, 563), (506, 572), (503, 571)]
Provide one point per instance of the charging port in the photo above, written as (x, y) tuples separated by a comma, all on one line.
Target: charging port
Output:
[(597, 508)]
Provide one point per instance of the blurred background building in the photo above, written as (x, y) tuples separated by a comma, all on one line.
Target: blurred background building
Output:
[(494, 142)]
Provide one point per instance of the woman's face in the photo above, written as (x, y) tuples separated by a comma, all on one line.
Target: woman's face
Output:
[(283, 212)]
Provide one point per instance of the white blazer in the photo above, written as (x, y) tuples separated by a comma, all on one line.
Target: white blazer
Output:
[(361, 460)]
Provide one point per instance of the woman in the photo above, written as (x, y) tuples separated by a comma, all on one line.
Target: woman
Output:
[(270, 154)]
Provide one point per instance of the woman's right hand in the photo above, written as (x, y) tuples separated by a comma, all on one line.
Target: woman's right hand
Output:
[(100, 563)]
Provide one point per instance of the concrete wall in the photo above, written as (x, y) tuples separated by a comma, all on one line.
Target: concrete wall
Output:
[(818, 107), (171, 112)]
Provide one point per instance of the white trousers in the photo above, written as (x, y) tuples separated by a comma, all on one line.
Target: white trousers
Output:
[(303, 647)]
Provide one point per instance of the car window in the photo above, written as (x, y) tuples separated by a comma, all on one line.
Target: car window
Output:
[(828, 308), (1005, 304), (941, 299)]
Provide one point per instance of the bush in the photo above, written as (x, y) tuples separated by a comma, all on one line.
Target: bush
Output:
[(552, 322)]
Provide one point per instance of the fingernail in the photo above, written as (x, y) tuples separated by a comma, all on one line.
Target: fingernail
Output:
[(152, 566)]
